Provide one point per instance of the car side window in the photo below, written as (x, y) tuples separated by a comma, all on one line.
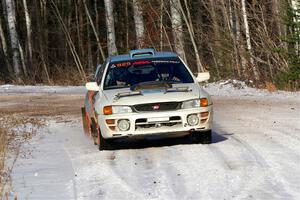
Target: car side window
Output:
[(99, 73)]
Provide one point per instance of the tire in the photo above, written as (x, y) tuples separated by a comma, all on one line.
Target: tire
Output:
[(206, 137), (85, 122), (94, 132), (203, 137), (104, 144)]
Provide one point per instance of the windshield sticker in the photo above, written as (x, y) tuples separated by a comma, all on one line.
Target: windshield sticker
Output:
[(142, 62), (123, 64), (166, 61)]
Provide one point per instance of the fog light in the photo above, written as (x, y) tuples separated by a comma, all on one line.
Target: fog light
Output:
[(123, 125), (193, 120)]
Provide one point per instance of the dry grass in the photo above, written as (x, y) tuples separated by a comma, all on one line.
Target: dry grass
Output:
[(271, 87), (15, 130), (20, 118), (3, 142)]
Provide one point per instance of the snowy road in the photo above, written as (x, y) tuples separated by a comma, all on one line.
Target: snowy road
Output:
[(255, 155)]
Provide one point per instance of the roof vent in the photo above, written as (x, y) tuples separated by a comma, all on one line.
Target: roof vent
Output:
[(142, 53)]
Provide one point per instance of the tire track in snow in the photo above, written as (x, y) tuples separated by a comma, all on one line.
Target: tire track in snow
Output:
[(149, 174), (73, 179), (267, 175), (126, 166), (250, 177)]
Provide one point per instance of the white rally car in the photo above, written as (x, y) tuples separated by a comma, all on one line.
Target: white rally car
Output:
[(145, 94)]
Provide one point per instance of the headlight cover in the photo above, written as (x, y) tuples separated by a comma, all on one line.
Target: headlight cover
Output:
[(195, 103), (121, 109)]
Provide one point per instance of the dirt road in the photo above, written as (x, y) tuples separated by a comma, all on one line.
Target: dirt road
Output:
[(255, 154)]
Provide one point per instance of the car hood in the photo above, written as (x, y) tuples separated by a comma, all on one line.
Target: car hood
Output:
[(152, 95)]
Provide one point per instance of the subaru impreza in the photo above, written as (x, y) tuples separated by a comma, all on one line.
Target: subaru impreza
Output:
[(144, 94)]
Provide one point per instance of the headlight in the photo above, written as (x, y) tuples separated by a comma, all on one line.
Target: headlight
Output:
[(108, 110), (191, 104), (195, 103), (121, 109)]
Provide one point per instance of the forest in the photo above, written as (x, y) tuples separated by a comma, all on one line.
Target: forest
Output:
[(60, 42)]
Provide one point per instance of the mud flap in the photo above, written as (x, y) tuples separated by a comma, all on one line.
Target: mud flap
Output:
[(85, 122)]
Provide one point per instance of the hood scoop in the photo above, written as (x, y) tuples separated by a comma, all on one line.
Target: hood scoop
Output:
[(178, 89), (127, 94)]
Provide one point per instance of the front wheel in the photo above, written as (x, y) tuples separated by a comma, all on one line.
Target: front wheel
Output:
[(203, 137), (104, 144)]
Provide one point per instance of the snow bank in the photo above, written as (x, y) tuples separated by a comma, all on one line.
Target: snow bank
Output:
[(220, 88), (42, 89), (239, 88)]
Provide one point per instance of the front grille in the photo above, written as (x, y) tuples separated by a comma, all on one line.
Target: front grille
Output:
[(153, 107)]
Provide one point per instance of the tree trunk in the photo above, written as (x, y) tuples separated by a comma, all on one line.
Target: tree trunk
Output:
[(5, 50), (177, 30), (189, 25), (94, 30), (296, 11), (110, 25), (139, 23), (23, 60), (217, 35), (69, 42), (248, 40), (14, 41), (97, 28), (29, 30), (237, 31)]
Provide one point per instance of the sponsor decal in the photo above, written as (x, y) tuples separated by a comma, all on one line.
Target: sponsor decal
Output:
[(166, 61), (142, 62), (123, 64)]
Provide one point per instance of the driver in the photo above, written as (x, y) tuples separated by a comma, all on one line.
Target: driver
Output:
[(121, 76), (166, 73)]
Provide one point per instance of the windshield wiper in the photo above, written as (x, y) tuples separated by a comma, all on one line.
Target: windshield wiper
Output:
[(116, 87), (161, 84)]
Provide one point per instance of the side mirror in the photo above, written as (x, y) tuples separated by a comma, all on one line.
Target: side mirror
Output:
[(92, 86), (204, 76)]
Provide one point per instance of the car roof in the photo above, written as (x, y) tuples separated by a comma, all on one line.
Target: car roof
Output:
[(142, 53)]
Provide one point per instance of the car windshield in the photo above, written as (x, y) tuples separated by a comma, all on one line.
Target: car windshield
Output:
[(137, 72)]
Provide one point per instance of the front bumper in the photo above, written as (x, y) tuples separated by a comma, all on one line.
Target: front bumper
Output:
[(168, 123)]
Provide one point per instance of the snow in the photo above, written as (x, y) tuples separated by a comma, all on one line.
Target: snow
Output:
[(41, 89), (239, 88), (220, 88), (255, 154)]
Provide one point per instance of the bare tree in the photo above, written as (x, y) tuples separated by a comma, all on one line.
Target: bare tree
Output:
[(110, 25), (177, 30), (29, 30), (69, 42), (189, 25), (14, 41), (94, 30), (139, 23), (296, 10), (248, 39), (5, 48)]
